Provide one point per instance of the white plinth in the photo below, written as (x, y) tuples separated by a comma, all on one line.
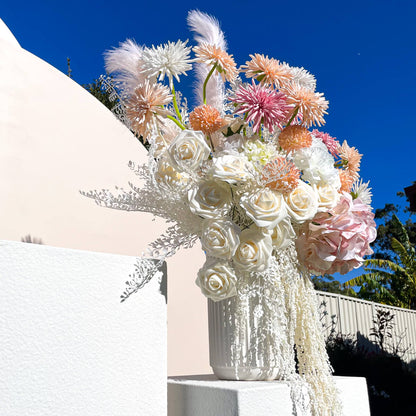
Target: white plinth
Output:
[(68, 346), (206, 396)]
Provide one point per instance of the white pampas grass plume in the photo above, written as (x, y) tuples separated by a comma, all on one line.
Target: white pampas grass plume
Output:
[(207, 30), (124, 63)]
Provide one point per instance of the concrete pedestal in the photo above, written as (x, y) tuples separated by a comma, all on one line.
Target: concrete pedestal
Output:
[(206, 396)]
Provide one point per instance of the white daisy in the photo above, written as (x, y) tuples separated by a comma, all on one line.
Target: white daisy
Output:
[(362, 191), (171, 59)]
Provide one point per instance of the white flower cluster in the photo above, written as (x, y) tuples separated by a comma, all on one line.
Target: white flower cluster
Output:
[(248, 175), (243, 222)]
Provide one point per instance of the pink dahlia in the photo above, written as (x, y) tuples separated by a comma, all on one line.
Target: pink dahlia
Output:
[(262, 105), (337, 241), (331, 143)]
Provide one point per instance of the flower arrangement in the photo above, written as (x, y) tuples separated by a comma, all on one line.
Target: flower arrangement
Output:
[(243, 172)]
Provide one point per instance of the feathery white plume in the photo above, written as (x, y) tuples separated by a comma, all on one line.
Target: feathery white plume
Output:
[(125, 63), (207, 30)]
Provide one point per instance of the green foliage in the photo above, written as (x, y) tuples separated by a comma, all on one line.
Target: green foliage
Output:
[(383, 326), (391, 281), (391, 383), (104, 90), (390, 380), (327, 283), (388, 229), (99, 90)]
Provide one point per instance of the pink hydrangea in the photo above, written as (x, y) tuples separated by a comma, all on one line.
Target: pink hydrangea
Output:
[(336, 241)]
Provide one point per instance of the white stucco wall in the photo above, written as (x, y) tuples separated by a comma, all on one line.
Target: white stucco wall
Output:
[(68, 346), (57, 139)]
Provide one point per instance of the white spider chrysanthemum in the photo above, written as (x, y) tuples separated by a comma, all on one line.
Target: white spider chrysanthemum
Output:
[(302, 77), (362, 191), (171, 60)]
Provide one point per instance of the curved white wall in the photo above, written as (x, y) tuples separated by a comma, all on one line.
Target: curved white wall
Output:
[(57, 139)]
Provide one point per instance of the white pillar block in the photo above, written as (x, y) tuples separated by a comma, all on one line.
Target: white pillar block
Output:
[(206, 396), (68, 346)]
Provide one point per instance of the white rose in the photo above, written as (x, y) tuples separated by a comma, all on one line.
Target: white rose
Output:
[(168, 177), (265, 207), (158, 144), (328, 196), (230, 168), (283, 234), (254, 251), (302, 203), (217, 280), (219, 238), (317, 164), (210, 200), (188, 150)]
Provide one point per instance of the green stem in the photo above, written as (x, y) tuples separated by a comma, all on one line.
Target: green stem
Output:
[(176, 122), (261, 122), (244, 129), (210, 142), (293, 116), (175, 103), (204, 90)]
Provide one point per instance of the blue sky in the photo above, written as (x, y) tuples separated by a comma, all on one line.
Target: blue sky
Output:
[(363, 54)]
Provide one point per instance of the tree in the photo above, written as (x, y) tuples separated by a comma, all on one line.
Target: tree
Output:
[(388, 229), (105, 91), (99, 89), (327, 283), (392, 282)]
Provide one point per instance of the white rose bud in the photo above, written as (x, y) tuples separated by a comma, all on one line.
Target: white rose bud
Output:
[(168, 178), (253, 253), (328, 196), (283, 234), (158, 144), (265, 207), (217, 280), (188, 150), (210, 200), (302, 203), (219, 238), (234, 124), (230, 168)]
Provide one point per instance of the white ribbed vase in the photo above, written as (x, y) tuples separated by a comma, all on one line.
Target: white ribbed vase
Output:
[(252, 362)]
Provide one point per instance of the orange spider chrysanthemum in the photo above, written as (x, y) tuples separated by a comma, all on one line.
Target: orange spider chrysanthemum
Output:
[(206, 119), (267, 70), (281, 175), (211, 55), (346, 181), (311, 105), (294, 138), (352, 158), (145, 107)]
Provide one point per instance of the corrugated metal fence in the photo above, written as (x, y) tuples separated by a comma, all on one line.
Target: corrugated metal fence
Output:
[(354, 317)]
